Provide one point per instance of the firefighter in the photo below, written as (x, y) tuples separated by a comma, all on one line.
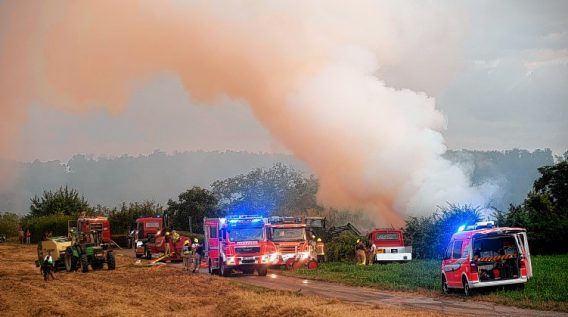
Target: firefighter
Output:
[(186, 251), (320, 252), (360, 252), (167, 240), (47, 267), (197, 250)]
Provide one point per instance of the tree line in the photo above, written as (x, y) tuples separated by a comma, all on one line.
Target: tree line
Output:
[(282, 190)]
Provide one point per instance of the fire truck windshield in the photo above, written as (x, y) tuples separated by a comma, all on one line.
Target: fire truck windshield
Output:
[(387, 236), (245, 234), (288, 234)]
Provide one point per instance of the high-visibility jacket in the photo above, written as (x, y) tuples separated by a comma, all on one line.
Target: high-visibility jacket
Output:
[(48, 259)]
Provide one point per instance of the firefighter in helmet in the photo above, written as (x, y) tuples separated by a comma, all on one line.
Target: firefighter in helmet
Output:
[(360, 252), (320, 252), (186, 255)]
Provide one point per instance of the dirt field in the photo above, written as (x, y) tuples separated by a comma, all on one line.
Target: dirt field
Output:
[(134, 290)]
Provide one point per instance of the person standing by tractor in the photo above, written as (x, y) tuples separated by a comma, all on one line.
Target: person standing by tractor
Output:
[(360, 252), (28, 236), (47, 267), (186, 255)]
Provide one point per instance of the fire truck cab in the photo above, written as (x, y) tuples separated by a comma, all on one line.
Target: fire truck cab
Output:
[(483, 256), (237, 243), (388, 246), (291, 241), (152, 237), (146, 228)]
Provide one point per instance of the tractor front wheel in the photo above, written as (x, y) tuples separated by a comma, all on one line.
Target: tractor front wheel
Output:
[(111, 260), (84, 263)]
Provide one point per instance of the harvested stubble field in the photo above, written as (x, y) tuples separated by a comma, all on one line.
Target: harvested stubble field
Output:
[(133, 290)]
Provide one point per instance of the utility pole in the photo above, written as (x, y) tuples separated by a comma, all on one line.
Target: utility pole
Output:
[(190, 227)]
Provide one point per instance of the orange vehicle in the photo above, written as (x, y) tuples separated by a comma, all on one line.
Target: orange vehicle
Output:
[(293, 247)]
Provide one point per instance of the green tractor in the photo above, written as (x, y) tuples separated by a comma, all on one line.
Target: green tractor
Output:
[(91, 245)]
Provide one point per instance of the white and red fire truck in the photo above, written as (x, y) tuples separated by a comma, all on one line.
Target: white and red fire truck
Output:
[(237, 243)]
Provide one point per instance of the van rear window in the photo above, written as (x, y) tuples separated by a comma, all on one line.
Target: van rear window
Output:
[(387, 236)]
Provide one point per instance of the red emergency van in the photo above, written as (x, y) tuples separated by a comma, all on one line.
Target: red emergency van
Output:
[(484, 256)]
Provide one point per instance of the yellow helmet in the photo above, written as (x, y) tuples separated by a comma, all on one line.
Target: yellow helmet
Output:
[(167, 233), (195, 240), (319, 239), (358, 240), (186, 242)]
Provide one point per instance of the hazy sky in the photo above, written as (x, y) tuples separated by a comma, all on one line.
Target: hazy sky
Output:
[(511, 90)]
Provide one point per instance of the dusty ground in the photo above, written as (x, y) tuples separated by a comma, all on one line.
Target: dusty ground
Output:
[(134, 290)]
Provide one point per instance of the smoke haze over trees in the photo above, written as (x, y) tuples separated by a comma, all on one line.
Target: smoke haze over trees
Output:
[(159, 176)]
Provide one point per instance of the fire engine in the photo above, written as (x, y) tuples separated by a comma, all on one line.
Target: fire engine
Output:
[(237, 243), (151, 236), (146, 228), (482, 256), (389, 246), (293, 247)]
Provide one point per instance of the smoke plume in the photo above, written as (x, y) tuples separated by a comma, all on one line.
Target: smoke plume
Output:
[(342, 85)]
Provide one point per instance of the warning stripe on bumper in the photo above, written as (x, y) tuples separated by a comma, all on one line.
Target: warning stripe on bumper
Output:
[(495, 258)]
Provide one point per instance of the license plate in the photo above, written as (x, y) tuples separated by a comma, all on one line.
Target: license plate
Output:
[(248, 258)]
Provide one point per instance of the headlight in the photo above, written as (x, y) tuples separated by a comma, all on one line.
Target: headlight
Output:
[(305, 255)]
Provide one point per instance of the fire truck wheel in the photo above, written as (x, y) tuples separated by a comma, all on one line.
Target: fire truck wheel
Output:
[(147, 253), (312, 265), (262, 270), (445, 288), (289, 264), (224, 271), (466, 290)]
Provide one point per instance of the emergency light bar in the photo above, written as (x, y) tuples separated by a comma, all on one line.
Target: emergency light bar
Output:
[(244, 220), (279, 219)]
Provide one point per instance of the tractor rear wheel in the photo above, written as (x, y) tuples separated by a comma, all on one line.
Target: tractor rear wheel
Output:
[(111, 260), (84, 263)]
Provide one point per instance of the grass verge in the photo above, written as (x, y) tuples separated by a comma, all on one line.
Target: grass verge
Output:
[(547, 290)]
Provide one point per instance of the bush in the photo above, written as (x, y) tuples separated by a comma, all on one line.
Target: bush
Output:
[(342, 247), (9, 223), (57, 224), (429, 236)]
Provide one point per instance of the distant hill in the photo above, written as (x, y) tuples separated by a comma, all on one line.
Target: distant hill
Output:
[(160, 176)]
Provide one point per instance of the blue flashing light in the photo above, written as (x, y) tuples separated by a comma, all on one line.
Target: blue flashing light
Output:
[(461, 228)]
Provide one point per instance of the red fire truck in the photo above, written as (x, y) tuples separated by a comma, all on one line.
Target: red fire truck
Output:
[(389, 246), (151, 238), (146, 227), (237, 243)]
